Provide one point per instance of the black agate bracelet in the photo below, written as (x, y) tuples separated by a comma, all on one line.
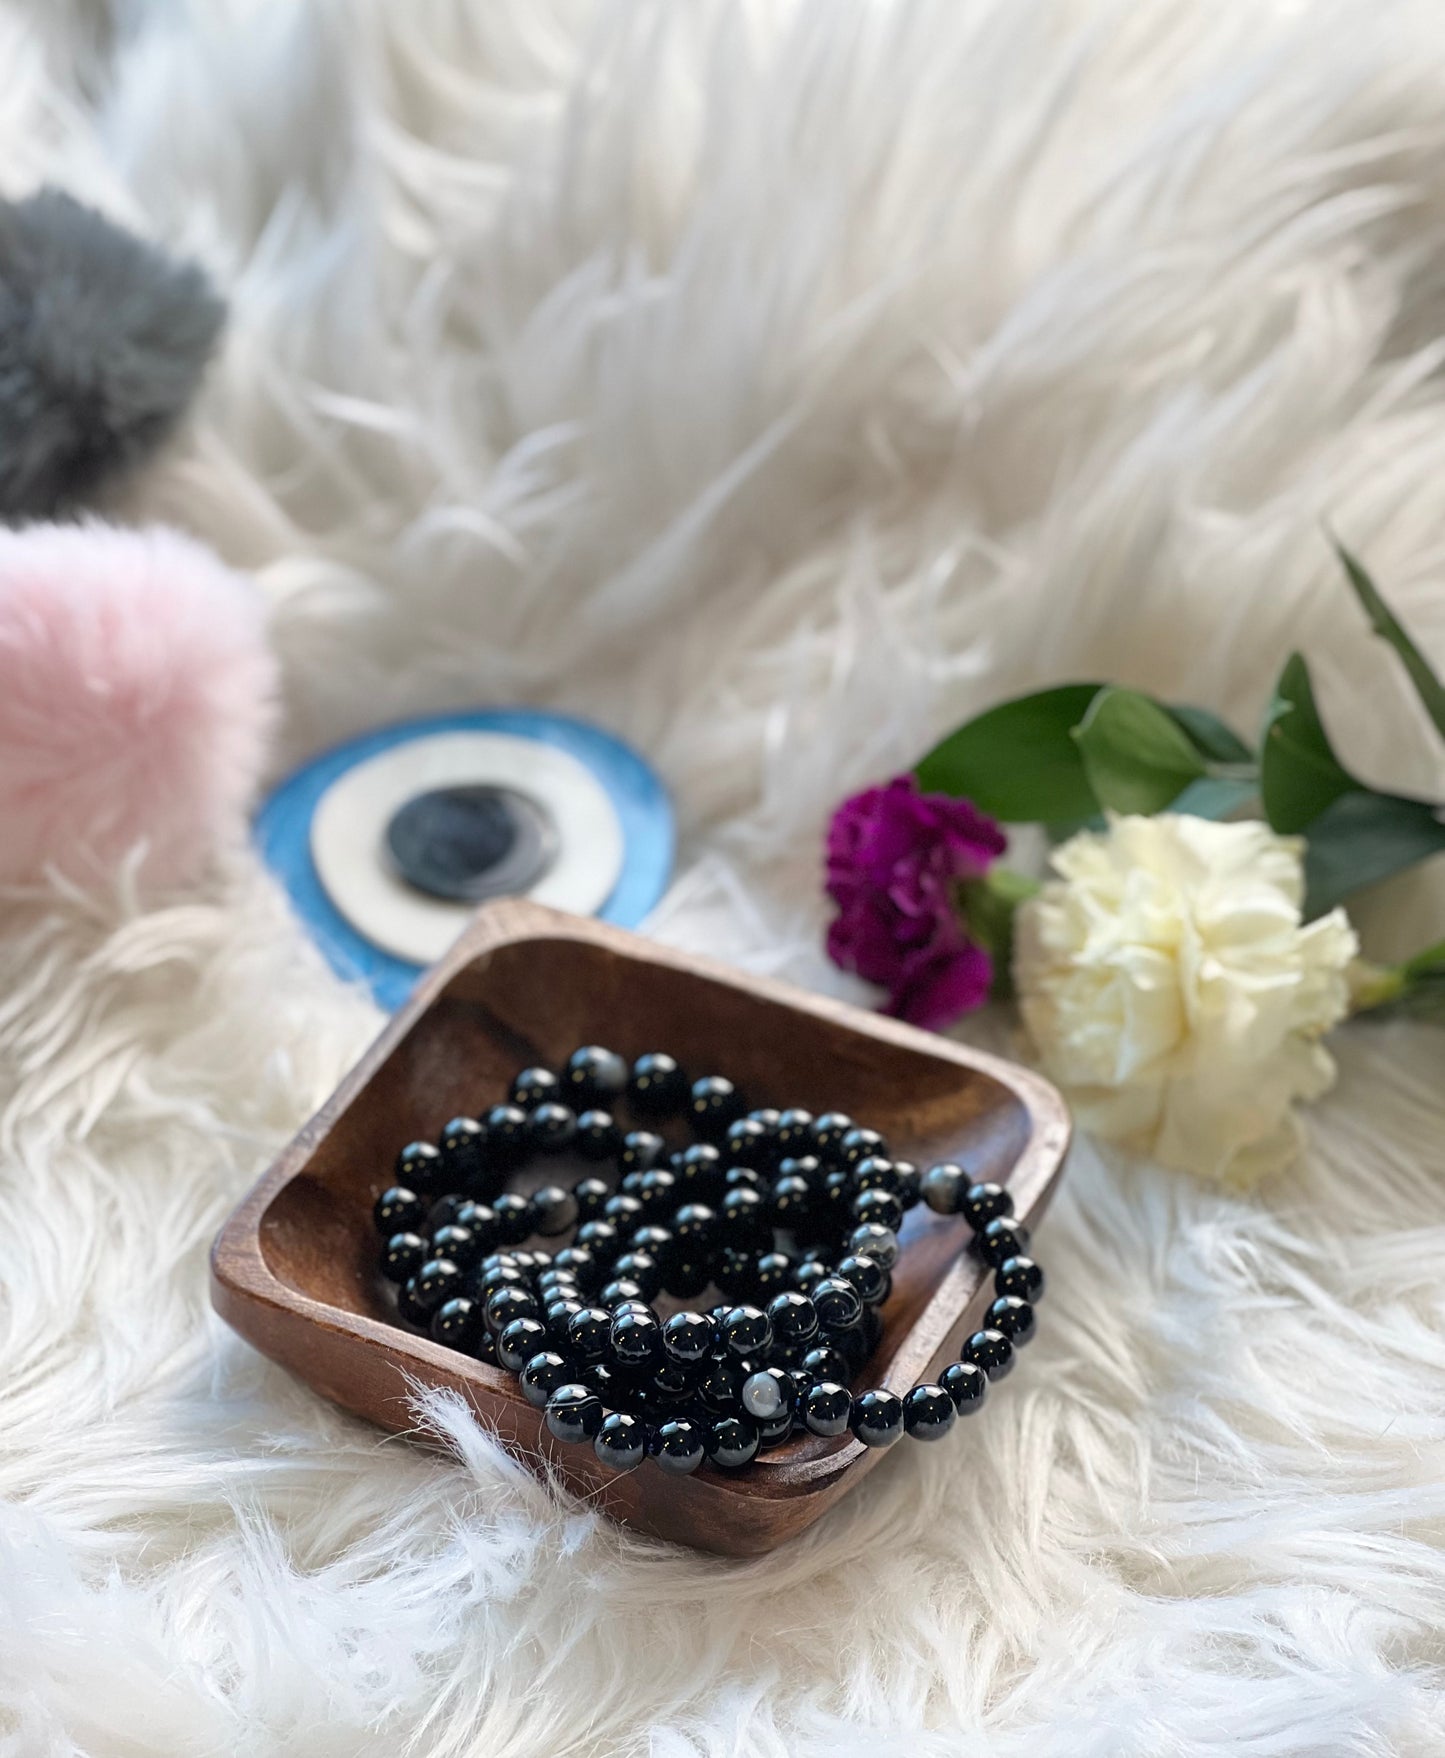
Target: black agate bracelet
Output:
[(793, 1219)]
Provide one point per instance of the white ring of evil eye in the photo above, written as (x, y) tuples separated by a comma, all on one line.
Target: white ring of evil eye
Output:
[(348, 835)]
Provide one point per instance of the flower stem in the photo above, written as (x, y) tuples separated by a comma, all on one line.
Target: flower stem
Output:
[(1417, 986), (987, 908)]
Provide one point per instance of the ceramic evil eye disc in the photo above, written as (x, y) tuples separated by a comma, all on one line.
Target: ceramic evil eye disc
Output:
[(349, 835), (388, 843), (471, 842)]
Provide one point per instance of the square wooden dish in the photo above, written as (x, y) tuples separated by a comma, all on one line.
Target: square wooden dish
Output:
[(294, 1269)]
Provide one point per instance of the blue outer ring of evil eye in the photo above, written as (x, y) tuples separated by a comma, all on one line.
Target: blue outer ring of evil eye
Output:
[(283, 830)]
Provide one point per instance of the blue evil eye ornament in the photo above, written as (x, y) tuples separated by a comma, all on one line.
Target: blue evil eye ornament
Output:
[(388, 843)]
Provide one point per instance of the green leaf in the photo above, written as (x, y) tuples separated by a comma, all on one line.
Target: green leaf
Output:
[(1299, 774), (1388, 627), (1215, 797), (1211, 737), (1362, 838), (1018, 762), (1136, 756)]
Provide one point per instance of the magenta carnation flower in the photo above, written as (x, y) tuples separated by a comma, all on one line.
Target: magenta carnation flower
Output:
[(896, 860)]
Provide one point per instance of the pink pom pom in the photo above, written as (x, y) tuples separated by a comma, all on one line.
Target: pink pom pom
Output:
[(136, 695)]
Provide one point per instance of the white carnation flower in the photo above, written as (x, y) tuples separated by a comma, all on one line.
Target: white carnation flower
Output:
[(1175, 995)]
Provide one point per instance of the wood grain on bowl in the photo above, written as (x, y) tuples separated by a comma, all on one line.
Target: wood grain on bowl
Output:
[(295, 1268)]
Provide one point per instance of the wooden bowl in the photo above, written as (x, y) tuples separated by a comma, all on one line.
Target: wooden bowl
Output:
[(294, 1269)]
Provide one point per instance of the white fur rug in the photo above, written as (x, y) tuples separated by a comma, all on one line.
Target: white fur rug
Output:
[(775, 383)]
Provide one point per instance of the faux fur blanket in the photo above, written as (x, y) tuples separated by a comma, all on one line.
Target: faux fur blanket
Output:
[(775, 383)]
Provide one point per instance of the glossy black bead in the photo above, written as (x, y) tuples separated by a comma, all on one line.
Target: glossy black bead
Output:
[(990, 1350), (512, 1217), (601, 1236), (533, 1087), (447, 1210), (458, 1243), (618, 1292), (580, 1262), (506, 1135), (437, 1280), (643, 1269), (790, 1199), (688, 1277), (636, 1339), (410, 1308), (554, 1211), (772, 1274), (824, 1362), (641, 1151), (507, 1304), (558, 1314), (591, 1195), (419, 1168), (485, 1347), (928, 1413), (808, 1274), (793, 1317), (1020, 1276), (623, 1211), (877, 1418), (876, 1173), (745, 1331), (944, 1186), (542, 1375), (880, 1207), (838, 1303), (458, 1323), (719, 1390), (621, 1441), (835, 1197), (767, 1396), (658, 1242), (598, 1137), (712, 1104), (492, 1274), (574, 1412), (677, 1446), (671, 1386), (1002, 1238), (743, 1178), (657, 1192), (463, 1146), (555, 1283), (478, 1218), (827, 1408), (399, 1210), (743, 1219), (699, 1173), (749, 1143), (589, 1333), (767, 1117), (826, 1134), (687, 1338), (795, 1130), (695, 1229), (859, 1144), (403, 1255), (867, 1275), (1012, 1316), (520, 1340), (594, 1078), (983, 1203), (657, 1088), (551, 1128), (967, 1384), (732, 1270), (732, 1442), (873, 1239)]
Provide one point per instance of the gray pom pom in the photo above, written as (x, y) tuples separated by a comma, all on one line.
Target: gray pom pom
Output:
[(103, 339)]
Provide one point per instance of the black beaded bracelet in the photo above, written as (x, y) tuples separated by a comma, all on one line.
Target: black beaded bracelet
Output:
[(792, 1218)]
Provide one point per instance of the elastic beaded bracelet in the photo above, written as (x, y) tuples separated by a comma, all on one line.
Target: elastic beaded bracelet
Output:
[(792, 1218)]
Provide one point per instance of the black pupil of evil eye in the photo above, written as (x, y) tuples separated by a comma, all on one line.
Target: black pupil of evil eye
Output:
[(471, 841)]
